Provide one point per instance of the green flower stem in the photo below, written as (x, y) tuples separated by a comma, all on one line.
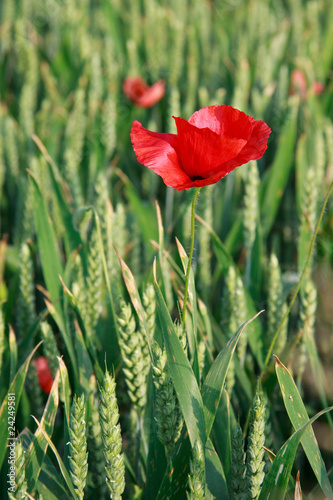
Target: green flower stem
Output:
[(191, 254), (271, 347)]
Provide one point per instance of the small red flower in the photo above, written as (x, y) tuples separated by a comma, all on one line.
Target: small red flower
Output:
[(43, 371), (138, 91), (214, 141)]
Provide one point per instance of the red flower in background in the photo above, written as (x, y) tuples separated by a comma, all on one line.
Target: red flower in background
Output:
[(138, 91), (298, 84), (43, 371), (317, 87), (208, 146)]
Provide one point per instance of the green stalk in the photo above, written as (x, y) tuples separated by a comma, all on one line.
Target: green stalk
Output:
[(191, 254)]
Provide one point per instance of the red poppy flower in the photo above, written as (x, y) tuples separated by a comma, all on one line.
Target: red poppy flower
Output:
[(138, 91), (214, 141), (43, 371)]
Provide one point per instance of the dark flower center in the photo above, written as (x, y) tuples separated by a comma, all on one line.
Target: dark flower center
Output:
[(197, 178)]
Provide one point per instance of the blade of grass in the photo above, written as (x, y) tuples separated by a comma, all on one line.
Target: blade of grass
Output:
[(38, 447), (216, 484), (42, 433), (192, 338), (274, 184), (183, 378), (13, 353), (214, 382), (16, 388), (135, 297), (51, 263), (298, 417), (276, 481)]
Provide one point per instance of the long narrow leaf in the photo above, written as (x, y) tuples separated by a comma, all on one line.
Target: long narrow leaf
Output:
[(214, 382), (16, 388), (38, 447), (276, 482), (298, 417), (183, 378)]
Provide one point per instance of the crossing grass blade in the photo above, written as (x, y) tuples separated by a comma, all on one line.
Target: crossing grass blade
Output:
[(43, 434), (183, 378), (49, 483), (221, 434), (38, 447), (16, 388), (214, 382), (298, 417), (216, 484), (276, 481)]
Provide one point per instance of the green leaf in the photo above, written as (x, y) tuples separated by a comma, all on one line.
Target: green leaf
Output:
[(163, 260), (50, 483), (273, 186), (38, 447), (13, 353), (191, 334), (298, 417), (276, 481), (183, 378), (215, 477), (15, 388), (175, 480), (51, 263), (317, 369), (155, 468), (48, 248), (135, 297), (85, 345), (221, 433), (72, 237), (45, 436), (301, 168), (212, 388)]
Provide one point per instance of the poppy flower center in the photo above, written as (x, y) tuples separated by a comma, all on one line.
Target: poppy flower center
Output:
[(197, 178), (138, 90)]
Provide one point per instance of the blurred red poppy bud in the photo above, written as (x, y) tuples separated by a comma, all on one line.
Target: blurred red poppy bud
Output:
[(298, 84), (43, 371), (141, 94), (212, 143)]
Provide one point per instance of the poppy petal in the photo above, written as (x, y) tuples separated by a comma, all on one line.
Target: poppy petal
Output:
[(43, 372), (151, 95), (158, 152), (223, 120), (253, 150), (201, 150)]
